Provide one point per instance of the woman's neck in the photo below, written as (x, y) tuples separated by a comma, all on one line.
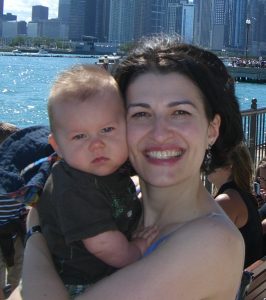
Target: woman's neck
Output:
[(222, 182), (165, 206)]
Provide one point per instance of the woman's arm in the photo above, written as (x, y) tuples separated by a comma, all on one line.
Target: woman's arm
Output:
[(234, 206), (208, 264), (39, 277)]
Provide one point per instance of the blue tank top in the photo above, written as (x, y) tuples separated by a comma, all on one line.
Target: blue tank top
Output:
[(164, 238)]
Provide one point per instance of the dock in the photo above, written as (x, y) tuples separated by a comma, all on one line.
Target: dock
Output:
[(248, 74)]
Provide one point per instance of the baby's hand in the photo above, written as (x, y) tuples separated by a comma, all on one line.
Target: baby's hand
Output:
[(143, 238)]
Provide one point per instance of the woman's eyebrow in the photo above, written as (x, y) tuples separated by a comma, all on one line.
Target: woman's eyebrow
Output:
[(144, 105), (181, 102), (171, 104)]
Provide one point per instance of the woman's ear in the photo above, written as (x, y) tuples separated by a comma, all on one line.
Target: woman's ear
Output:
[(53, 143), (213, 129)]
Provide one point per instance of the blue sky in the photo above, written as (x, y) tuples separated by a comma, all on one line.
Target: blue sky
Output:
[(22, 8)]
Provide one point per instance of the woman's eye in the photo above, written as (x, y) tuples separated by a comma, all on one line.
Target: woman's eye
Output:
[(107, 129), (140, 115), (80, 136), (181, 113)]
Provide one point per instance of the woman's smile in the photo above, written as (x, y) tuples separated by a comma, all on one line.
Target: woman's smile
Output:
[(166, 127)]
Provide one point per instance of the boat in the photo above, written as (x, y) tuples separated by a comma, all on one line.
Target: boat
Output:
[(16, 51), (42, 51), (108, 61)]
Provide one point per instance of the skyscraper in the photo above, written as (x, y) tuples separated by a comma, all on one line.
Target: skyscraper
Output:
[(257, 27), (187, 22), (121, 25), (202, 25), (1, 8), (64, 11), (102, 20), (1, 15), (218, 24), (150, 17), (237, 21), (77, 19), (174, 17), (142, 18), (39, 13)]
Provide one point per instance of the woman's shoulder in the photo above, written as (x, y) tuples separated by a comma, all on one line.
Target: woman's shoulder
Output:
[(207, 251), (215, 228)]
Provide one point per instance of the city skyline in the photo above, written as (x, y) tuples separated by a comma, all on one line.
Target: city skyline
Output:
[(23, 8)]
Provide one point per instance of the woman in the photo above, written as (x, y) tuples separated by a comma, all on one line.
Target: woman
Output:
[(233, 180), (260, 178), (180, 105), (261, 197)]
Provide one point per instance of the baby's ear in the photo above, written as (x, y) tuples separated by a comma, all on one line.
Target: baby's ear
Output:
[(53, 143)]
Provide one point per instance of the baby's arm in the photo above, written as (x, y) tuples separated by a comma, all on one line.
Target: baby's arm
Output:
[(114, 249)]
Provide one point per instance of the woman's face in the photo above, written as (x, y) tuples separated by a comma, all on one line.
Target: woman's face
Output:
[(262, 175), (167, 129)]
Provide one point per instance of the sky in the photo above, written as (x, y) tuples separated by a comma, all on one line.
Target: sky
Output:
[(22, 8)]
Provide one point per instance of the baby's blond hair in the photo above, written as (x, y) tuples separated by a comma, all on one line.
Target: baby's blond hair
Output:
[(79, 83)]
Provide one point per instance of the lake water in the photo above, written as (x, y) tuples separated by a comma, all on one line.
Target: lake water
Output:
[(25, 82)]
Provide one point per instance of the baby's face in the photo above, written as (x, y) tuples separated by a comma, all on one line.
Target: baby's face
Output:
[(91, 135)]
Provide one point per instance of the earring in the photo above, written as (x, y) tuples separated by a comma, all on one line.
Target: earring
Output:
[(207, 159)]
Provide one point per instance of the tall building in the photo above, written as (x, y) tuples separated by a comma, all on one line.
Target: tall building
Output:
[(121, 24), (81, 19), (89, 18), (218, 24), (174, 17), (202, 22), (22, 28), (1, 15), (64, 11), (237, 24), (1, 8), (102, 20), (257, 28), (187, 22), (150, 17), (9, 17), (39, 13), (142, 18), (158, 16)]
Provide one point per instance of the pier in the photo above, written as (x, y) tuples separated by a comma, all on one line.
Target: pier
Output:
[(248, 74)]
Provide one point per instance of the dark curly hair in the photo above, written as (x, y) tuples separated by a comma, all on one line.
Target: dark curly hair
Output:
[(165, 54)]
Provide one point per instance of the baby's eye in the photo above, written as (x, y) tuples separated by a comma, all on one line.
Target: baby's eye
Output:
[(80, 136), (107, 129)]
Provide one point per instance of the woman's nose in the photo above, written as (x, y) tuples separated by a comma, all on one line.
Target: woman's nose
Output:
[(161, 130)]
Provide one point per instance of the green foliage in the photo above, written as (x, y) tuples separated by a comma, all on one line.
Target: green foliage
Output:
[(127, 47)]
